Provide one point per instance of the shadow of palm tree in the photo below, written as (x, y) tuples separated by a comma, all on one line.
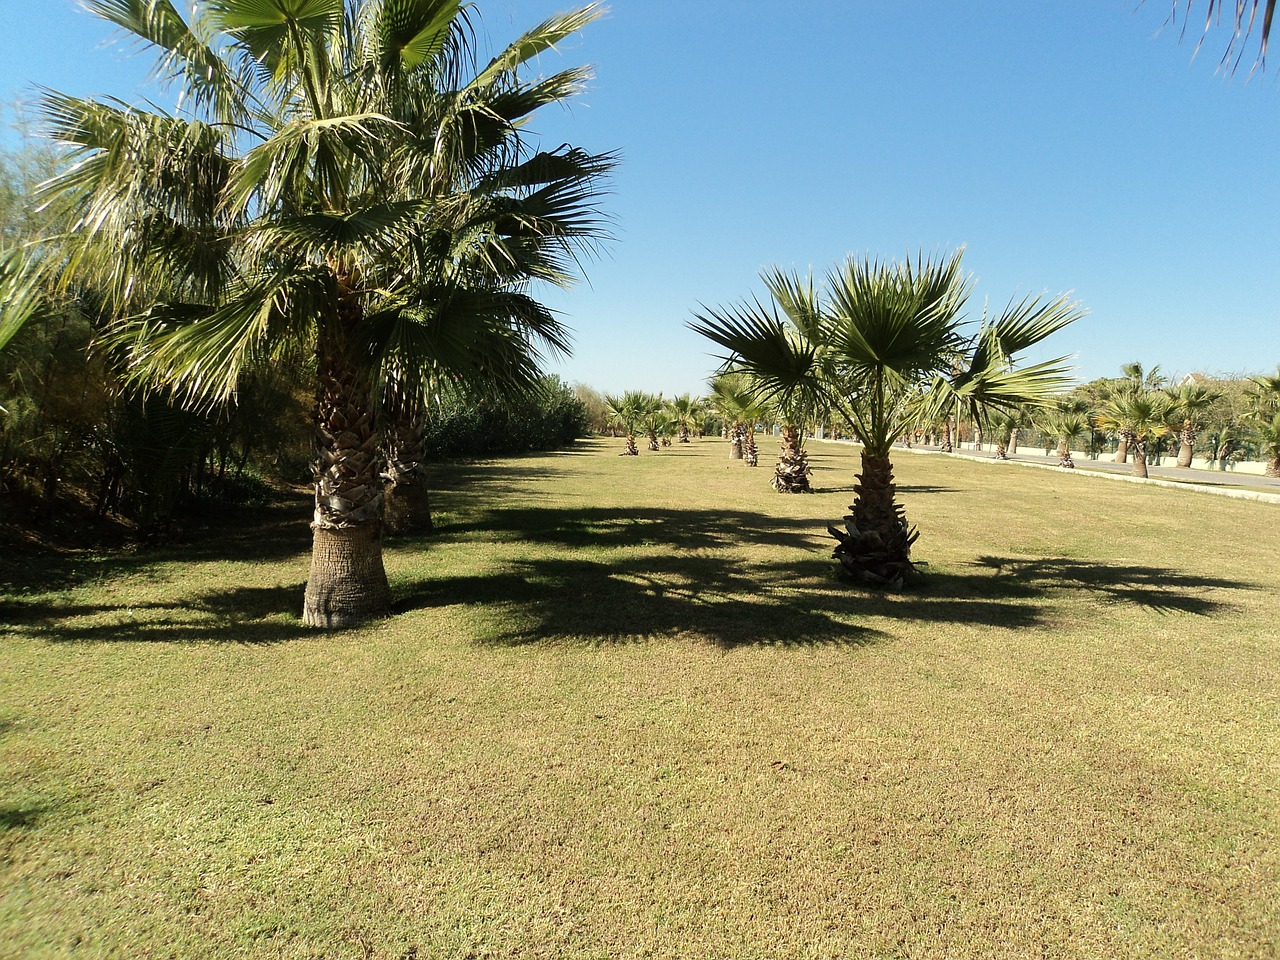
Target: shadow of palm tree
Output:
[(239, 615), (550, 600), (610, 527), (1161, 589)]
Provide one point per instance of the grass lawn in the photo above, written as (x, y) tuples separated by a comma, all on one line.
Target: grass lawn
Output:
[(624, 709)]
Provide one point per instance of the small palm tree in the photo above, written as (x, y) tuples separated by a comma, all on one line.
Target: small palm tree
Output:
[(732, 398), (1190, 402), (623, 414), (684, 413), (651, 415), (884, 346), (1066, 420), (1140, 416), (1264, 419)]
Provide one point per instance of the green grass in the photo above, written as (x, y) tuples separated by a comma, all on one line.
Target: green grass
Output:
[(625, 710)]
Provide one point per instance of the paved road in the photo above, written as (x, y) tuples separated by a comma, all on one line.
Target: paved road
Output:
[(1205, 479)]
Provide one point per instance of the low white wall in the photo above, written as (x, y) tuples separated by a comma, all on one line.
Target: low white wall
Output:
[(1253, 467)]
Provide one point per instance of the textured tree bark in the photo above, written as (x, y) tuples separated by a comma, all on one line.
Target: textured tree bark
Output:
[(406, 502), (1138, 453), (348, 583), (977, 436), (791, 475), (1273, 467), (1187, 450), (1064, 455), (875, 545), (1122, 450)]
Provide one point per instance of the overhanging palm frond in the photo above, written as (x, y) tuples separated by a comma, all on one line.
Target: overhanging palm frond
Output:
[(533, 42)]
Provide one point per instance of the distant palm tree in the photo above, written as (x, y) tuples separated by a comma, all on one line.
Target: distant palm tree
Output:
[(1190, 402), (731, 396), (623, 414), (879, 346), (1066, 420), (684, 413), (1139, 415), (1264, 418)]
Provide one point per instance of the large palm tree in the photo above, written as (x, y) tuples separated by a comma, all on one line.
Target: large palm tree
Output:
[(291, 211), (884, 345), (1264, 419)]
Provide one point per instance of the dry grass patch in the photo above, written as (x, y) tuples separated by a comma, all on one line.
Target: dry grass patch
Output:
[(625, 710)]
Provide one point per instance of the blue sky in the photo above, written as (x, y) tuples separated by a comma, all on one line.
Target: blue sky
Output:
[(1069, 146)]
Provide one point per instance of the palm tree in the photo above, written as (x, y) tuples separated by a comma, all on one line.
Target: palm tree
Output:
[(1264, 418), (1191, 401), (879, 347), (1139, 415), (733, 399), (623, 414), (651, 416), (1066, 419), (684, 412), (294, 212)]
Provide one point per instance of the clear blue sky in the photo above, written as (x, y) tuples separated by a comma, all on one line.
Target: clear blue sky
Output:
[(1070, 146)]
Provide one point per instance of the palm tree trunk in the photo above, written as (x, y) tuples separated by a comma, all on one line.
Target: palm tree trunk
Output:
[(348, 583), (1122, 450), (1273, 467), (1187, 451), (1138, 450), (946, 437), (791, 475), (630, 449), (977, 436), (1013, 439), (653, 441), (1064, 454), (406, 498), (735, 442), (750, 452), (406, 503), (875, 544)]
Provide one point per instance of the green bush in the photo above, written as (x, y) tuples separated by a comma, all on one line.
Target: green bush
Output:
[(458, 427)]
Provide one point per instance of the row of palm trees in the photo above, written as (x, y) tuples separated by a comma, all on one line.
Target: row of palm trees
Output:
[(1141, 411), (345, 185)]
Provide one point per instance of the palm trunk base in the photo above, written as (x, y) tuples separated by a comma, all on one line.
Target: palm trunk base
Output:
[(1273, 467), (735, 450), (751, 453), (348, 584), (407, 508), (791, 475), (875, 545)]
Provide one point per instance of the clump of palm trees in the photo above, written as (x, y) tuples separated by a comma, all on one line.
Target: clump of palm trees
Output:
[(885, 347)]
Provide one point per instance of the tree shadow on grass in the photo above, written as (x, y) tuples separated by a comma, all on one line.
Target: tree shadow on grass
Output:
[(633, 599), (14, 817), (239, 615), (689, 587), (612, 527), (270, 533)]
